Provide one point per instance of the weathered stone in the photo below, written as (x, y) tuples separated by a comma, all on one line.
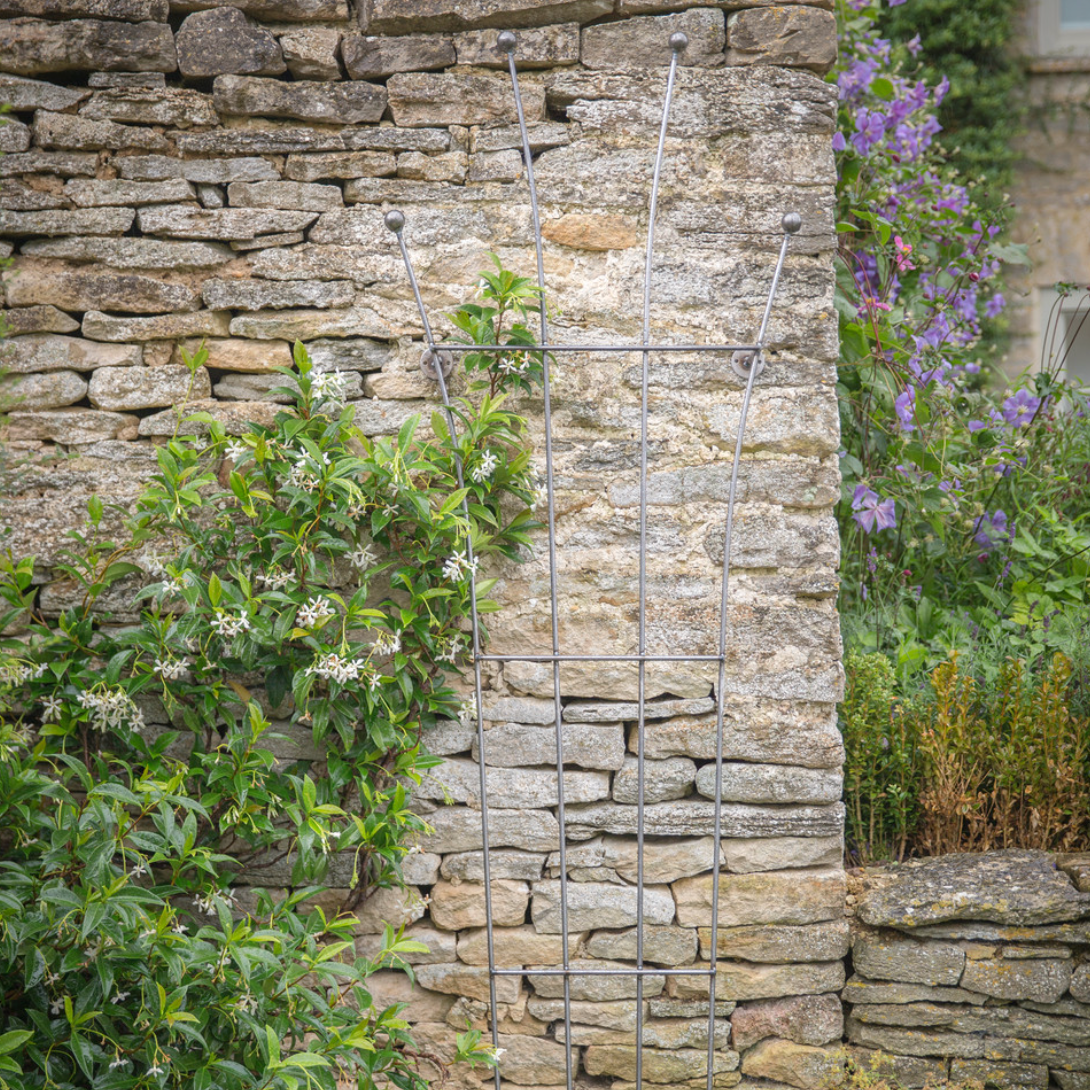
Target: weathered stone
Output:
[(1007, 887), (804, 1019), (597, 989), (455, 829), (311, 52), (286, 195), (421, 869), (442, 946), (910, 1042), (128, 388), (661, 945), (912, 1072), (1078, 933), (779, 944), (403, 385), (469, 866), (583, 712), (37, 319), (253, 388), (450, 167), (658, 1066), (643, 42), (395, 907), (43, 352), (1001, 1021), (132, 11), (739, 981), (303, 100), (664, 859), (664, 780), (14, 136), (236, 354), (298, 139), (513, 946), (1043, 980), (34, 392), (1037, 1052), (1080, 984), (223, 41), (456, 905), (772, 783), (84, 289), (390, 987), (31, 47), (368, 57), (421, 99), (236, 418), (304, 325), (538, 47), (596, 905), (798, 36), (495, 166), (150, 168), (72, 133), (284, 238), (1002, 1076), (542, 134), (259, 294), (907, 961), (29, 196), (692, 817), (64, 163), (82, 221), (1072, 1080), (468, 980), (599, 233), (387, 417), (313, 262), (859, 990), (176, 106), (133, 253), (782, 853), (226, 171), (619, 1016), (292, 11), (32, 94), (190, 221), (69, 426), (791, 897), (533, 1061), (348, 164), (519, 744), (408, 16), (793, 1064), (684, 1008), (160, 327), (514, 1019), (133, 80), (87, 193), (672, 1034)]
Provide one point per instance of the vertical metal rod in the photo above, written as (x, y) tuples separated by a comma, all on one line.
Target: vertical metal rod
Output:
[(678, 42), (508, 43), (791, 224), (395, 221)]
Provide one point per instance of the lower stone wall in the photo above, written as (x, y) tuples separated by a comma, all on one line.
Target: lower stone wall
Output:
[(974, 967)]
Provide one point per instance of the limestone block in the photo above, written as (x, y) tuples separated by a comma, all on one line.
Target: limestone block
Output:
[(859, 990), (297, 196), (644, 42), (910, 1042), (1037, 1052), (203, 323), (673, 1033), (519, 709), (33, 47), (686, 1008), (447, 737), (69, 426), (190, 221), (450, 167), (37, 319), (333, 164), (665, 859), (797, 36), (534, 1061), (421, 99), (772, 783), (86, 193), (805, 1020), (311, 53), (739, 981), (1001, 1021), (33, 94), (538, 47), (81, 221), (303, 100), (915, 1072), (367, 57), (1072, 1080), (132, 253), (407, 16), (780, 944), (95, 288), (389, 987), (180, 107), (901, 959), (50, 391), (597, 989), (399, 386), (469, 980), (671, 778), (395, 907), (293, 11), (304, 325), (237, 417), (495, 166), (790, 897), (312, 262), (30, 196), (514, 1019), (1080, 983), (521, 744), (64, 163), (586, 231), (133, 11), (43, 352), (456, 829), (781, 853), (456, 905), (72, 133), (259, 294), (639, 7), (542, 134), (223, 41), (128, 388), (581, 711), (236, 354), (619, 1016), (598, 904), (514, 946), (793, 1064), (14, 136), (469, 866), (658, 1066), (1002, 1076), (441, 945), (1043, 980), (296, 139), (387, 417), (661, 946)]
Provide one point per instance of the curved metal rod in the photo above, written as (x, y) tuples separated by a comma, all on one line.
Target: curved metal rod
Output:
[(395, 221)]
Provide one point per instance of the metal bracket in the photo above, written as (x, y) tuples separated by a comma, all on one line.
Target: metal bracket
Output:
[(742, 362), (428, 361)]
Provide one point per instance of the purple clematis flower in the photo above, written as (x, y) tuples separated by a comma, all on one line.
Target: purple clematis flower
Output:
[(1020, 408), (871, 512), (905, 406), (992, 529)]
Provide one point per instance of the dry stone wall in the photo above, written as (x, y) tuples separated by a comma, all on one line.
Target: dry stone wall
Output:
[(202, 171)]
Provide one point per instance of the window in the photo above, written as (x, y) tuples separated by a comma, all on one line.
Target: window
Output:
[(1075, 14), (1071, 342), (1063, 27)]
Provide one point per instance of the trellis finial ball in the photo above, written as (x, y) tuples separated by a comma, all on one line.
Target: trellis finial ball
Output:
[(395, 220), (679, 41), (507, 42), (792, 223)]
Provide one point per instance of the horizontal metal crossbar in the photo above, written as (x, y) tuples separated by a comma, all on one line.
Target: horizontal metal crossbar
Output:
[(600, 658), (619, 348), (604, 972)]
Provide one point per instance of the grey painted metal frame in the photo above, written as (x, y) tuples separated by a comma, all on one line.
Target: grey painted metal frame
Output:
[(750, 359)]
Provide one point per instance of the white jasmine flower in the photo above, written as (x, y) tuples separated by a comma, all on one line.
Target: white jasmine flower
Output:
[(451, 652), (333, 667), (229, 625), (154, 564), (56, 1006), (119, 1062), (467, 713), (485, 467), (315, 610), (388, 643), (120, 997), (52, 706), (276, 578), (363, 557), (236, 451), (179, 929), (329, 386), (155, 1069), (110, 709), (138, 870), (170, 669)]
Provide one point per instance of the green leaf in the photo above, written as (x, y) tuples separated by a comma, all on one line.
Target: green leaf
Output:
[(12, 1040), (215, 589)]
